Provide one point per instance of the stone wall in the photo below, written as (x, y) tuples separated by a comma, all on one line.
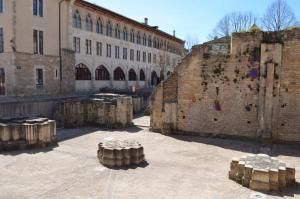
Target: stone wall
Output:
[(103, 110), (250, 92)]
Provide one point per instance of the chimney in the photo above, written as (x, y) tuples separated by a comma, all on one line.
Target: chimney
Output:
[(174, 33), (146, 21)]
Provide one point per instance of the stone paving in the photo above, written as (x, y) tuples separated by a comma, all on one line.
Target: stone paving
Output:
[(178, 167)]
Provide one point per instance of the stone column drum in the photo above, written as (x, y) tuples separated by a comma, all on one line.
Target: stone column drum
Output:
[(262, 173), (119, 153)]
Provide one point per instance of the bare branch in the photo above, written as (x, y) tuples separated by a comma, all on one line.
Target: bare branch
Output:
[(278, 16), (233, 22)]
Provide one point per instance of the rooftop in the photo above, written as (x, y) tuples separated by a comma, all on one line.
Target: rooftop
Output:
[(137, 23)]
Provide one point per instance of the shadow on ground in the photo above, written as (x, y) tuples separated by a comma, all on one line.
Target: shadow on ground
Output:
[(31, 150), (247, 146), (124, 168), (290, 192), (67, 134)]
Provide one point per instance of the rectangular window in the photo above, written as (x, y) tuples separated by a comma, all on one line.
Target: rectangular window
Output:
[(138, 55), (39, 78), (41, 8), (131, 54), (1, 41), (1, 6), (144, 56), (41, 42), (154, 58), (37, 6), (125, 53), (76, 44), (149, 57), (2, 81), (117, 52), (99, 48), (108, 50), (38, 42), (88, 45)]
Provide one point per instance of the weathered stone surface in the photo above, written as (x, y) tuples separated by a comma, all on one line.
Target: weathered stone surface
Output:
[(20, 133), (252, 91), (118, 153), (262, 173), (101, 110)]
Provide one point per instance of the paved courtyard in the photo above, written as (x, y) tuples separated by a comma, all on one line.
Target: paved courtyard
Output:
[(178, 167)]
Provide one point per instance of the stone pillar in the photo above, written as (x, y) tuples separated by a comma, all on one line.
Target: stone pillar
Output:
[(268, 103)]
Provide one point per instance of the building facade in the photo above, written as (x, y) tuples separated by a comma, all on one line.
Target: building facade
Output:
[(67, 46)]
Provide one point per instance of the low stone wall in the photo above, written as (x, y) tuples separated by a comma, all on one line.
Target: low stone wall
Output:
[(20, 133), (137, 104), (101, 110)]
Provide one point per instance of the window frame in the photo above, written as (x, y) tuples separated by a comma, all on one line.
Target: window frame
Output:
[(1, 6), (1, 40), (38, 42)]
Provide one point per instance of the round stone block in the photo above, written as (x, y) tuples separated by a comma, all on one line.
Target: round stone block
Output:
[(119, 153)]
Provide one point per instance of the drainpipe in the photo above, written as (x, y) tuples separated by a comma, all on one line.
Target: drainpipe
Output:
[(60, 52)]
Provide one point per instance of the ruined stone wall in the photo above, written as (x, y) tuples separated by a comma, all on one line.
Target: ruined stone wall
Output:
[(217, 94), (288, 122), (105, 110), (251, 92)]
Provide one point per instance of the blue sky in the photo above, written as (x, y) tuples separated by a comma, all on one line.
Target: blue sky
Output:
[(193, 18)]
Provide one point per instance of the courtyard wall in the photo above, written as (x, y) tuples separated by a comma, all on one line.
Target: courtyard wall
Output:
[(250, 92)]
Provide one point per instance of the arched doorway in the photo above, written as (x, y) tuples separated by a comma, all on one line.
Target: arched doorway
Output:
[(154, 79), (119, 74), (132, 75), (142, 75), (82, 72), (102, 73)]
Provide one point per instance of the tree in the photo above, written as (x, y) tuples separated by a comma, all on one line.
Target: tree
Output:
[(233, 22), (190, 42), (278, 16)]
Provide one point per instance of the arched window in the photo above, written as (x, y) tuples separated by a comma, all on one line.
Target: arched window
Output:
[(132, 75), (154, 79), (109, 29), (132, 36), (119, 75), (99, 26), (76, 20), (117, 32), (149, 41), (82, 72), (88, 23), (102, 73), (144, 40), (142, 75), (138, 38), (125, 34)]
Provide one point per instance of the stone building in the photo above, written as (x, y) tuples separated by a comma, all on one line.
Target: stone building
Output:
[(252, 91), (52, 46)]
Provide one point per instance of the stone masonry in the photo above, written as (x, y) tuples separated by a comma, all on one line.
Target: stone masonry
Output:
[(251, 92), (20, 133), (101, 110), (262, 173)]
